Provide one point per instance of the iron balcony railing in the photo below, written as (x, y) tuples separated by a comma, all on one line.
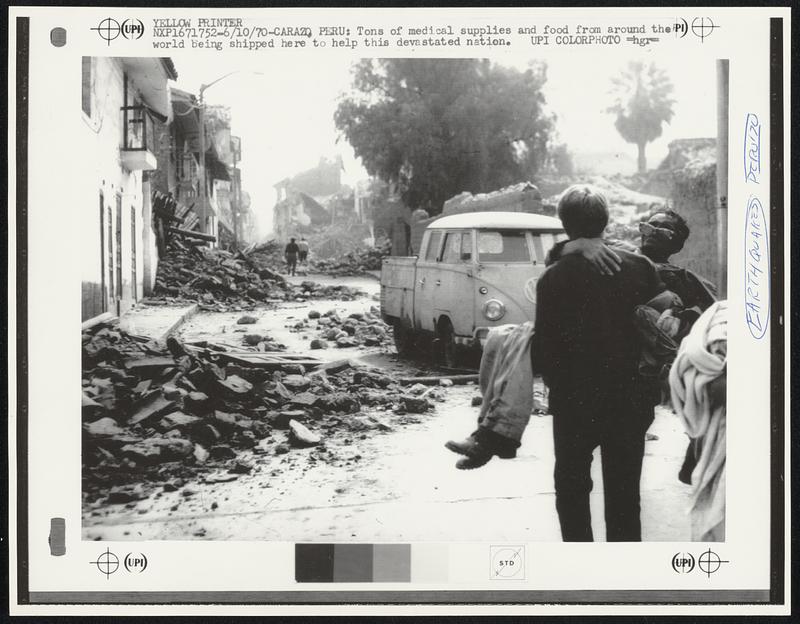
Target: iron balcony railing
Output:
[(138, 129)]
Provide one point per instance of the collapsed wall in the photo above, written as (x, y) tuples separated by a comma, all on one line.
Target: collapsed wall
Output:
[(522, 197)]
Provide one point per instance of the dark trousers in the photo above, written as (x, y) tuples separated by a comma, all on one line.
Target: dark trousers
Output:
[(621, 442), (291, 263)]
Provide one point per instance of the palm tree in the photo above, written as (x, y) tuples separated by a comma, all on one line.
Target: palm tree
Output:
[(642, 103)]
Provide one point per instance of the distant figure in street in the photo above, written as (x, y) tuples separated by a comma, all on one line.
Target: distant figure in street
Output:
[(291, 252), (303, 247), (587, 349)]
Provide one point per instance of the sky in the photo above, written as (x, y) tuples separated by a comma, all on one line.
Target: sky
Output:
[(284, 111)]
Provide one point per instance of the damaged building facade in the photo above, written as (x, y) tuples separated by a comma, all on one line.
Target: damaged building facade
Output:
[(221, 209), (303, 200), (335, 217), (178, 172), (122, 101), (140, 142)]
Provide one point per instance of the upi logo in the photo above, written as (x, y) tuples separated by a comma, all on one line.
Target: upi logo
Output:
[(683, 562), (109, 29), (135, 563)]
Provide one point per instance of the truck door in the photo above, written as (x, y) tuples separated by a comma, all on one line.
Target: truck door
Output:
[(427, 273), (454, 285)]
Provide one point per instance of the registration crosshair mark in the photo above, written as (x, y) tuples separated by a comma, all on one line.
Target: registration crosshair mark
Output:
[(107, 563), (703, 27), (108, 29), (709, 562)]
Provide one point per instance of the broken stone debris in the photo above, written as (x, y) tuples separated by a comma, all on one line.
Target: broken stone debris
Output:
[(355, 262), (414, 404), (262, 342), (177, 414), (214, 277), (358, 329), (220, 280), (300, 435), (241, 467)]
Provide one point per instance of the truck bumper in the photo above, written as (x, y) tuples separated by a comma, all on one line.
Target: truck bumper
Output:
[(478, 338)]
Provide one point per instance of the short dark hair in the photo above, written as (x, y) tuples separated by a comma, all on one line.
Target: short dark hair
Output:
[(681, 227), (583, 211)]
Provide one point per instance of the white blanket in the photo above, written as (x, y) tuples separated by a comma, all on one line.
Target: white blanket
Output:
[(701, 360)]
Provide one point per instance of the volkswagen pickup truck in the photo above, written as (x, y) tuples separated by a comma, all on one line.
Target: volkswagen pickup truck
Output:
[(474, 271)]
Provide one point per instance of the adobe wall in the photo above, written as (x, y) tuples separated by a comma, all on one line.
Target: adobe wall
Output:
[(102, 176), (694, 198)]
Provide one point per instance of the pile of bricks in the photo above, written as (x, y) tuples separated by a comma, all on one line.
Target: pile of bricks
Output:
[(154, 414), (354, 263), (215, 275), (219, 280)]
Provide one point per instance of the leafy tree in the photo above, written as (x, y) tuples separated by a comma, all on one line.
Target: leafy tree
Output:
[(642, 103), (437, 127)]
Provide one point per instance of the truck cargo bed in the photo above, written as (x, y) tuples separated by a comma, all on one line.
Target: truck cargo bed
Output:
[(397, 287)]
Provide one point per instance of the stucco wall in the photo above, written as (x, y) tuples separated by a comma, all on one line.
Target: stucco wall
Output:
[(99, 172), (694, 198)]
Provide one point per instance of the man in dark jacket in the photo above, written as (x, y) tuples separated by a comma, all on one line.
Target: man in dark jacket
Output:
[(291, 252), (663, 234), (587, 350)]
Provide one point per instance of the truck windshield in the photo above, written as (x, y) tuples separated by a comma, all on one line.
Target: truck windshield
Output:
[(503, 246)]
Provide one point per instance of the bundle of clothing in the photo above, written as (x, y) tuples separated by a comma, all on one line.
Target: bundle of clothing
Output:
[(662, 323), (506, 381), (697, 382)]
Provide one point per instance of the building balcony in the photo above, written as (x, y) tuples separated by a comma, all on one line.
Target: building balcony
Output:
[(187, 168), (138, 139)]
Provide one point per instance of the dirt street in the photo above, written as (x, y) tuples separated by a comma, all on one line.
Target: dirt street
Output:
[(394, 482)]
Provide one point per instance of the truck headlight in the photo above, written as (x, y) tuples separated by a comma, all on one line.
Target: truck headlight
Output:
[(494, 310)]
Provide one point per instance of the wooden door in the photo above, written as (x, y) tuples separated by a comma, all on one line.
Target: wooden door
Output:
[(118, 259)]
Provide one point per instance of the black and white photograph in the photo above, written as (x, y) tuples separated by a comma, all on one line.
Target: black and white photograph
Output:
[(396, 299), (398, 311)]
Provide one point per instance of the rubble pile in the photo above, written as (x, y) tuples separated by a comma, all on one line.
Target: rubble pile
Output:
[(355, 262), (219, 280), (157, 416), (337, 239), (261, 342), (312, 290), (625, 205), (521, 197), (215, 276), (358, 329), (268, 254)]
